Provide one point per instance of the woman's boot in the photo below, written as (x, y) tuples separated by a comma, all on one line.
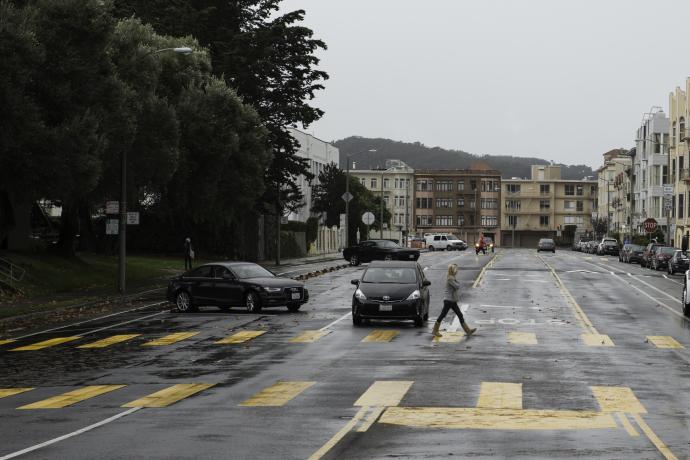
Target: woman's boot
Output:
[(468, 330), (435, 332)]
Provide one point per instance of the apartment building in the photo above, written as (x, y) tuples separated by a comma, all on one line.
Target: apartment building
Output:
[(542, 206), (680, 163), (612, 202), (395, 183), (650, 170), (462, 202)]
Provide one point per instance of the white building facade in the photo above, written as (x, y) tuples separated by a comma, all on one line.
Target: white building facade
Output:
[(650, 170)]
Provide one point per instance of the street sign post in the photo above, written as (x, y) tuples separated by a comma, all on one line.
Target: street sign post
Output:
[(347, 197), (368, 218), (650, 225)]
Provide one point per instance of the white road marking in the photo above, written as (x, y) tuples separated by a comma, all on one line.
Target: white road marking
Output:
[(660, 291), (88, 320), (70, 435), (500, 306), (331, 324), (673, 281)]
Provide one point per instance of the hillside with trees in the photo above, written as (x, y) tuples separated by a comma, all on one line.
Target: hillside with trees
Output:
[(420, 156)]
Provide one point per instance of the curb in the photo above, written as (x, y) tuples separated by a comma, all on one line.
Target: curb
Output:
[(316, 273)]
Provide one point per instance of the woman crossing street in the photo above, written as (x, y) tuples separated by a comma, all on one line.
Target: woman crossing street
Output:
[(450, 301)]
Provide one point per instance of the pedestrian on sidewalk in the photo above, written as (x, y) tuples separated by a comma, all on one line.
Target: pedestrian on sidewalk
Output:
[(450, 301), (188, 253)]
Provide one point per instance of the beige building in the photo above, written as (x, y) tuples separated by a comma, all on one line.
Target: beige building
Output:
[(613, 201), (394, 182), (462, 202), (678, 153), (542, 206)]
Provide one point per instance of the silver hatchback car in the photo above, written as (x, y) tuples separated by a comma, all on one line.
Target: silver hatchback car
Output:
[(546, 244)]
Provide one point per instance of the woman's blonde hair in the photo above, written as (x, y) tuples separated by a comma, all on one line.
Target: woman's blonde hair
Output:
[(452, 271)]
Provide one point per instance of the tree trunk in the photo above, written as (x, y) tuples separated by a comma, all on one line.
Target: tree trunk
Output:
[(69, 228)]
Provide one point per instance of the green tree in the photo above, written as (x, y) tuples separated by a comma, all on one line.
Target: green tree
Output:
[(326, 198)]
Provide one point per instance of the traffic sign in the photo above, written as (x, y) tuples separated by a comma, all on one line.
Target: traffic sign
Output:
[(368, 218), (347, 197), (112, 207), (650, 225), (111, 227), (133, 218)]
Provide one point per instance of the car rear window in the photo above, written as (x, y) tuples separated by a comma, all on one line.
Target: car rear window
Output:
[(399, 275), (610, 243), (667, 251)]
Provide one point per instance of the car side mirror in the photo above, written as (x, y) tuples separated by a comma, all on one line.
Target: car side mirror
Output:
[(426, 283), (355, 282)]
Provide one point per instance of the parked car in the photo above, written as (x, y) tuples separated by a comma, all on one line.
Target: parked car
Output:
[(647, 254), (601, 245), (391, 290), (235, 284), (633, 254), (546, 244), (661, 256), (581, 244), (609, 247), (685, 301), (678, 263), (369, 250), (444, 241)]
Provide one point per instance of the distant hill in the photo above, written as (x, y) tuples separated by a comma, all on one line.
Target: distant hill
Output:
[(419, 156)]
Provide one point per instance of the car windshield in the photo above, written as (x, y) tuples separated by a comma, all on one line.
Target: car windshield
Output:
[(397, 275), (251, 271), (387, 244)]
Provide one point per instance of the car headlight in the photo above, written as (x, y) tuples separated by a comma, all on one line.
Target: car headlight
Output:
[(359, 295), (271, 289), (415, 295)]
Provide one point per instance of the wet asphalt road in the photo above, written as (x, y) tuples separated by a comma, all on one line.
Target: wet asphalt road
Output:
[(562, 366)]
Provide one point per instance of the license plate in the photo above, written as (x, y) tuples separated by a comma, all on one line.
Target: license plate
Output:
[(295, 296), (411, 256), (385, 307)]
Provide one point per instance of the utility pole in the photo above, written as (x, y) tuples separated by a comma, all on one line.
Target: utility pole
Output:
[(278, 217), (381, 221)]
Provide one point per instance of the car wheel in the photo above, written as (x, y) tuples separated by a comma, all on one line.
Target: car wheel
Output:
[(684, 300), (356, 320), (354, 260), (418, 321), (294, 307), (553, 252), (388, 257), (431, 248), (252, 303), (184, 302)]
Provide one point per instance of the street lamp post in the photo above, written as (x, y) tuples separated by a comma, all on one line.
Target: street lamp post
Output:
[(347, 193), (122, 228)]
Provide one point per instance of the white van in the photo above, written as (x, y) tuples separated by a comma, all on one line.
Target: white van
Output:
[(444, 241)]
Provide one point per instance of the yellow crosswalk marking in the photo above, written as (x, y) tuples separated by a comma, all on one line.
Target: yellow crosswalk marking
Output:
[(664, 341), (169, 339), (6, 341), (72, 397), (109, 341), (240, 337), (522, 338), (170, 395), (46, 343), (5, 392), (500, 395), (597, 340), (277, 394), (496, 419), (380, 335), (386, 393), (618, 399), (309, 336), (449, 337), (627, 425)]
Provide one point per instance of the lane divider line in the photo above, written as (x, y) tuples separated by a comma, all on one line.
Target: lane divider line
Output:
[(329, 325), (627, 425)]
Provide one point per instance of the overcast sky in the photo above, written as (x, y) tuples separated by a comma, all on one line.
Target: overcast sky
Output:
[(565, 81)]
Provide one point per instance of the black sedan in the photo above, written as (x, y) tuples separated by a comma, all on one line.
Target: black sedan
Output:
[(235, 284), (678, 263), (391, 290), (369, 250), (633, 254)]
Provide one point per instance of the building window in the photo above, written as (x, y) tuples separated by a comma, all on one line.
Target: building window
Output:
[(489, 221), (473, 204), (424, 203), (461, 220), (544, 189), (579, 190), (490, 186), (461, 202), (473, 185), (424, 221), (593, 190), (544, 204), (681, 128), (570, 190), (363, 181), (424, 185), (461, 185), (489, 203), (444, 221), (513, 204), (373, 182), (444, 185), (512, 221), (397, 183), (544, 221), (664, 174), (471, 216), (513, 188), (385, 200), (569, 205), (444, 203), (681, 208), (580, 206), (573, 220), (386, 183)]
